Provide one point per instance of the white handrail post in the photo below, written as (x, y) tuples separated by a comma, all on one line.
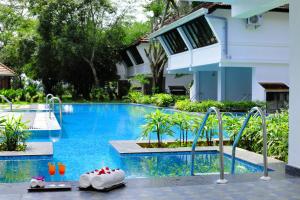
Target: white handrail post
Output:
[(47, 98), (51, 101)]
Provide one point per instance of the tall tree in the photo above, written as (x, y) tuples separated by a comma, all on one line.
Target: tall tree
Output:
[(157, 58), (18, 37), (162, 10), (79, 42)]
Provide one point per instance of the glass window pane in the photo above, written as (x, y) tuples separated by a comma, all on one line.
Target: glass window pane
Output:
[(126, 59), (174, 41), (199, 32), (136, 55), (190, 36)]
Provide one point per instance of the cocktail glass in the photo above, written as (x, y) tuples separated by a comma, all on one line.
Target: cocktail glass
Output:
[(61, 170), (51, 170)]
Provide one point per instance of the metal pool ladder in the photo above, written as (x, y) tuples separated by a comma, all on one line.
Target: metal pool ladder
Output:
[(47, 99), (222, 179), (8, 101), (52, 107), (254, 110)]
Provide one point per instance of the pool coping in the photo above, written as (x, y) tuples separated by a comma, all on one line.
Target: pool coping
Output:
[(33, 149), (124, 147)]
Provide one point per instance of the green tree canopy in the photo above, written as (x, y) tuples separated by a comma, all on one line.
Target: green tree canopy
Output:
[(79, 42), (18, 37)]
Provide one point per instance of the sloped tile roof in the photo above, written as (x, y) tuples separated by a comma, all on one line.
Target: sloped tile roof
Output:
[(6, 71)]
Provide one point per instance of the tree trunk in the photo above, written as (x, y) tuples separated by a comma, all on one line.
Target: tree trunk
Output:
[(158, 137), (92, 66), (97, 83), (94, 71)]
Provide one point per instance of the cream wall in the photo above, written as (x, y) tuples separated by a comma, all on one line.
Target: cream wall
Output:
[(294, 73), (275, 74)]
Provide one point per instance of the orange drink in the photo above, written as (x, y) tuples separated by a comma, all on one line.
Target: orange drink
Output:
[(51, 169), (61, 169)]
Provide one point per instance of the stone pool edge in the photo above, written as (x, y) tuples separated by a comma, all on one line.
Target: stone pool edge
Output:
[(33, 149), (133, 147)]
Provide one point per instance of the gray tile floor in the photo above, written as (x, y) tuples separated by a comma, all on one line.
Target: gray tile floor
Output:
[(249, 188)]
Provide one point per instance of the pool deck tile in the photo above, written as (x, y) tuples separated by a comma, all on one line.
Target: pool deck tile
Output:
[(42, 121), (140, 189), (36, 120), (33, 149)]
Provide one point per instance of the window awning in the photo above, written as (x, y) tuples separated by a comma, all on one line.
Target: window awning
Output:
[(275, 86), (179, 22)]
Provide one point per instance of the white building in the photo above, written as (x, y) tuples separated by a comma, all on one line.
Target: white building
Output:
[(135, 61), (242, 9), (231, 59)]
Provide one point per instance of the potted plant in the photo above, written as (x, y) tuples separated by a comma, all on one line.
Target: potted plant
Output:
[(158, 123), (13, 134)]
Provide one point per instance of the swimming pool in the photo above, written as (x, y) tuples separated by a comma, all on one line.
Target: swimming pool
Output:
[(83, 145)]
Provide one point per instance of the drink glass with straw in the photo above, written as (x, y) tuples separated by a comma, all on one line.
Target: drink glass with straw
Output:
[(51, 170), (61, 170)]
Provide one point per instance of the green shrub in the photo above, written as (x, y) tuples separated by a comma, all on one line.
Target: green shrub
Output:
[(13, 135), (277, 130), (99, 94), (187, 105), (145, 99), (28, 94), (205, 105), (134, 96), (162, 100), (241, 106), (180, 97), (228, 106)]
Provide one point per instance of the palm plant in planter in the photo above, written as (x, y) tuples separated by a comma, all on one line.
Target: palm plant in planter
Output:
[(13, 134), (158, 123), (183, 122)]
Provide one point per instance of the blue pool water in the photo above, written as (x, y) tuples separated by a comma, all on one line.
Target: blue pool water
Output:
[(83, 145)]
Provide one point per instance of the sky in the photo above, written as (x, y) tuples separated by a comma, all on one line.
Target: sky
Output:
[(135, 8)]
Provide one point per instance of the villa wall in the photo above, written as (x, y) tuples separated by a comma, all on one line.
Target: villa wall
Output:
[(208, 85), (262, 51), (247, 46), (139, 68), (275, 74), (224, 84), (238, 84), (267, 43), (294, 107), (172, 80)]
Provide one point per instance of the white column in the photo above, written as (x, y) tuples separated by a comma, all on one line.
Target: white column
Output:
[(294, 107), (195, 89), (221, 84)]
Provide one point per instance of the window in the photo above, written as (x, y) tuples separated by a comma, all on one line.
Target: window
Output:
[(174, 42), (277, 96), (136, 55), (126, 59), (276, 101), (199, 33)]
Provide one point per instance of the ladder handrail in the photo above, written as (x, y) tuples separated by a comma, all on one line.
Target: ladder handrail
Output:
[(8, 101), (60, 107), (47, 98), (222, 179), (265, 150)]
